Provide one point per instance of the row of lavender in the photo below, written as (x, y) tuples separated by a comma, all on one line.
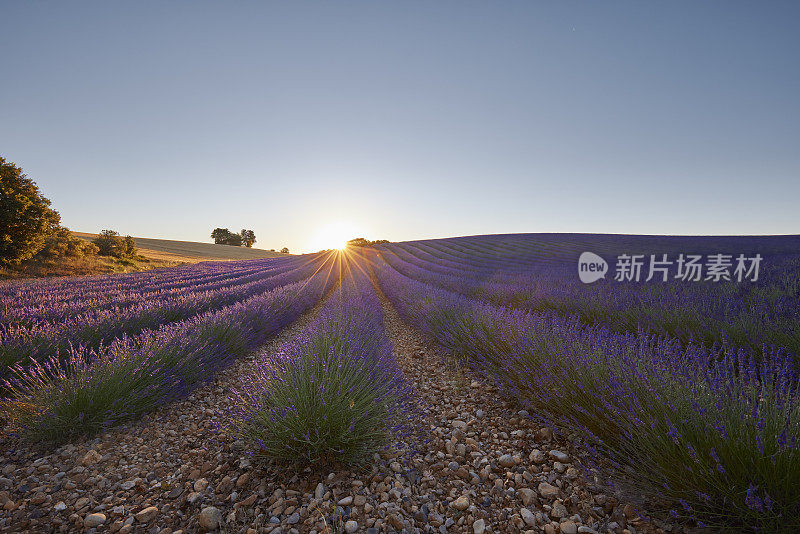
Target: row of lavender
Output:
[(53, 302), (101, 325), (333, 395), (85, 390), (68, 287), (708, 436), (544, 277)]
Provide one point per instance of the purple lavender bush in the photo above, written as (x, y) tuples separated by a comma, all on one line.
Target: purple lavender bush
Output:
[(334, 395)]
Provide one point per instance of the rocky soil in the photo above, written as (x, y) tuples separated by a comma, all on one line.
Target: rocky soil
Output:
[(485, 467)]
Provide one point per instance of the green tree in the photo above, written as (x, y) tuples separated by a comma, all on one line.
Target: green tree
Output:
[(223, 236), (26, 218), (363, 242), (248, 237), (358, 242), (109, 243), (285, 250), (220, 235), (62, 243), (129, 246)]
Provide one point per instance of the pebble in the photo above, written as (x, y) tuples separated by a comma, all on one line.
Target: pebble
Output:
[(479, 526), (544, 434), (210, 518), (559, 456), (558, 511), (94, 520), (351, 526), (568, 527), (548, 491), (506, 460), (91, 458), (528, 517), (462, 503), (527, 495), (536, 456), (147, 515)]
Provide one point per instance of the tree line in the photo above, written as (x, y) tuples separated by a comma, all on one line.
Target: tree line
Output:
[(110, 243), (363, 242), (223, 236)]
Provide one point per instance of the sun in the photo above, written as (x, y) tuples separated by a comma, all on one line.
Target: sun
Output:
[(334, 235)]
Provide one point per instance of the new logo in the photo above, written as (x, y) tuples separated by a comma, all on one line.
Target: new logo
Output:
[(591, 267)]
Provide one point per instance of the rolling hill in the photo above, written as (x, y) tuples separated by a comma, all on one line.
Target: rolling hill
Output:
[(190, 251)]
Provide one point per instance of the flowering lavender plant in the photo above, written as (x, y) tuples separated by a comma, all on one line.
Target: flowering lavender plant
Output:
[(332, 396)]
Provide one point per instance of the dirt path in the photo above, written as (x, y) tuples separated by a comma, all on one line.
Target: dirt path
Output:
[(488, 467), (485, 468)]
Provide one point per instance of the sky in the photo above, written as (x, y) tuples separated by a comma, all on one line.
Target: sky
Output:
[(311, 121)]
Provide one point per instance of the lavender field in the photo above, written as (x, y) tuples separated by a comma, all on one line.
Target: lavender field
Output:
[(685, 392), (425, 386)]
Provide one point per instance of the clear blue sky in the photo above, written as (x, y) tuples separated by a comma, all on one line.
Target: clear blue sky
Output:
[(406, 119)]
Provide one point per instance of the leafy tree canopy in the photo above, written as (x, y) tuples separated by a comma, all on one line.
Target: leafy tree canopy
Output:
[(110, 243), (362, 242), (223, 236), (26, 218), (248, 237)]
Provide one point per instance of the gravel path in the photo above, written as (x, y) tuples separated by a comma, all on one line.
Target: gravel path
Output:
[(485, 468)]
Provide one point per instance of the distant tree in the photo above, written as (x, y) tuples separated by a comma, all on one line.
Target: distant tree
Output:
[(223, 236), (248, 237), (129, 246), (62, 243), (272, 250), (363, 242), (109, 243), (89, 248), (285, 250), (26, 218), (220, 235), (358, 242)]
